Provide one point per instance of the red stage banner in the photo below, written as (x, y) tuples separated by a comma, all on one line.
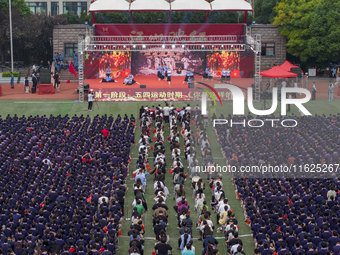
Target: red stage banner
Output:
[(162, 94), (169, 29)]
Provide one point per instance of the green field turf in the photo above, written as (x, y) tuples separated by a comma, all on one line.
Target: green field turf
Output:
[(63, 107)]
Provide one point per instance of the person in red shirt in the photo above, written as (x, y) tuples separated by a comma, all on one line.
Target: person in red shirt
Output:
[(105, 132)]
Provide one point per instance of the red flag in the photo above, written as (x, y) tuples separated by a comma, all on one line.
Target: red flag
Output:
[(149, 169), (170, 171), (248, 221), (147, 165), (183, 131), (154, 130), (154, 138), (72, 70), (152, 148), (68, 81), (89, 199), (67, 173), (186, 176), (101, 249), (72, 249), (105, 229), (153, 253), (134, 175), (143, 227), (119, 232)]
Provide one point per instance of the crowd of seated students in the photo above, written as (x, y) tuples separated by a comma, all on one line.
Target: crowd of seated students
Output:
[(61, 180), (289, 215), (219, 202)]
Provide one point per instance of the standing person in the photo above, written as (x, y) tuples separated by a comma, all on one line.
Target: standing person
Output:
[(330, 92), (228, 76), (168, 76), (90, 100), (34, 82), (12, 81), (27, 88), (289, 97), (223, 77), (56, 80), (166, 111), (313, 91)]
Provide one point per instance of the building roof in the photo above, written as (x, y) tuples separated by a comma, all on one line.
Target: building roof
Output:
[(277, 72), (109, 6), (150, 5), (231, 5), (190, 5), (172, 5)]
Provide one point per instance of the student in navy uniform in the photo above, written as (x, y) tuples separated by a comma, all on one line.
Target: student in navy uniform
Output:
[(62, 57), (228, 76), (108, 78), (27, 88), (223, 77), (159, 69)]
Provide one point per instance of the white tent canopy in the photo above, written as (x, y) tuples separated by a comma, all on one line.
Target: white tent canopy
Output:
[(109, 6), (190, 5), (150, 5), (164, 5), (231, 5)]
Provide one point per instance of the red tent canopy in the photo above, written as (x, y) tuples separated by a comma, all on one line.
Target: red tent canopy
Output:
[(287, 66), (277, 72)]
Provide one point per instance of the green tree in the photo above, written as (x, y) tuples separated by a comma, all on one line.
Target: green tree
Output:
[(264, 11), (293, 20), (324, 44), (18, 5)]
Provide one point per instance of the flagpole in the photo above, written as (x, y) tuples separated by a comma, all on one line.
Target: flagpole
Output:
[(11, 32)]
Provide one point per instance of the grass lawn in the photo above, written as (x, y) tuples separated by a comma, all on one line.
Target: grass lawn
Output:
[(63, 107)]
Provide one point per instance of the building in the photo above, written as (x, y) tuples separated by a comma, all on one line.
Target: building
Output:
[(273, 50), (65, 38), (52, 7)]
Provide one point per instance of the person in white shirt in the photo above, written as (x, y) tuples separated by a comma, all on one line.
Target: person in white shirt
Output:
[(188, 108), (166, 111), (90, 100)]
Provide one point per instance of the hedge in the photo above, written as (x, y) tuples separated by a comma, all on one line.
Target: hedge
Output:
[(8, 74)]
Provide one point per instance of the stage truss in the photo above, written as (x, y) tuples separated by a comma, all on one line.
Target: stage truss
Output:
[(90, 43)]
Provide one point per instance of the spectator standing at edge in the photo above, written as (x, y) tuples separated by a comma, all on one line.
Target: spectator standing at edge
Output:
[(330, 92), (90, 100), (313, 91)]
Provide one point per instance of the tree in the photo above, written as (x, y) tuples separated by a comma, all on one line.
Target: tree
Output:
[(18, 5), (264, 11), (293, 20), (324, 44)]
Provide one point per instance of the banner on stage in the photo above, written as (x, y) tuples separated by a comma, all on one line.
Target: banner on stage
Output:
[(111, 94)]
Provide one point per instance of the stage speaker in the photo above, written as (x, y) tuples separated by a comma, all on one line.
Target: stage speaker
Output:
[(142, 86), (191, 86), (45, 76)]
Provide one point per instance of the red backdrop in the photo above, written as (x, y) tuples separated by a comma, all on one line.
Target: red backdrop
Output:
[(168, 29)]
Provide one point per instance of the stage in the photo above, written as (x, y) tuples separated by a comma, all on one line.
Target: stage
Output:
[(158, 90)]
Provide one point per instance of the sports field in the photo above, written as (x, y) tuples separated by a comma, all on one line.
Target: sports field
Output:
[(63, 107)]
